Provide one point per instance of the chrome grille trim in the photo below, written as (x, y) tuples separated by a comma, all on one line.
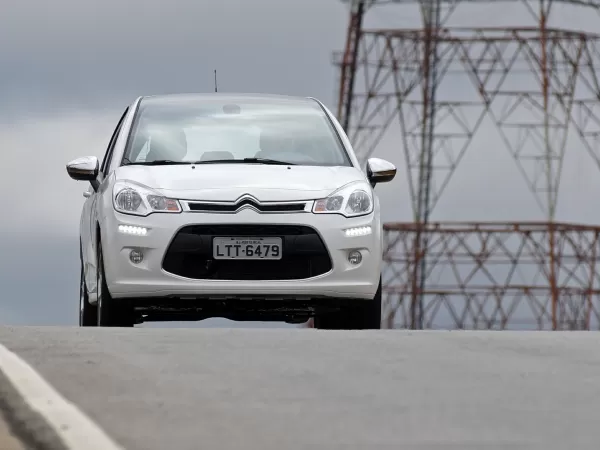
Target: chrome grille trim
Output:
[(247, 202)]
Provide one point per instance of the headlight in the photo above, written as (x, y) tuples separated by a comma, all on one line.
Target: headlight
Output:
[(133, 198), (351, 200)]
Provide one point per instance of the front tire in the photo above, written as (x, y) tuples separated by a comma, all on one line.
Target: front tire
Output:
[(363, 315), (111, 313), (88, 313)]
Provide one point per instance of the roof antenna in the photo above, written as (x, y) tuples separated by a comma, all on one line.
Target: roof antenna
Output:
[(215, 80)]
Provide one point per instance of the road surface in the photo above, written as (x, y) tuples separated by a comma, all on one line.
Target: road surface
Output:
[(8, 441), (256, 389)]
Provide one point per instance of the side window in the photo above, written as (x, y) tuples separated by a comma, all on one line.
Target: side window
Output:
[(109, 151)]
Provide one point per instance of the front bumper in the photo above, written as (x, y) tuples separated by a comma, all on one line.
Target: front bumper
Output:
[(148, 279)]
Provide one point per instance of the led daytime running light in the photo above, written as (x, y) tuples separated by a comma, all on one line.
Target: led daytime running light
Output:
[(358, 231), (130, 229)]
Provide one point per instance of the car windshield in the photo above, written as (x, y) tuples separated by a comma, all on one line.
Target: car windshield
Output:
[(231, 130)]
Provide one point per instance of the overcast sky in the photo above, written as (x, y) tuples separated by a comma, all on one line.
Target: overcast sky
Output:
[(69, 68)]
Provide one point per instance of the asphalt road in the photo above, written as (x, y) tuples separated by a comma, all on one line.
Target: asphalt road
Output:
[(157, 389), (8, 441)]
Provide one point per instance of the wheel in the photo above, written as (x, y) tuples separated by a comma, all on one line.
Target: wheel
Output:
[(88, 313), (111, 313), (363, 315)]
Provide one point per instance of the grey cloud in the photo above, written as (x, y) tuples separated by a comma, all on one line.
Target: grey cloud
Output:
[(39, 279), (88, 53), (35, 152)]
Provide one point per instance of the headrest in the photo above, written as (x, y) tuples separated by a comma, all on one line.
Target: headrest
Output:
[(167, 144), (271, 143)]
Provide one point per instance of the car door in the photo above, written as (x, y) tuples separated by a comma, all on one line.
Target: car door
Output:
[(89, 219), (84, 234)]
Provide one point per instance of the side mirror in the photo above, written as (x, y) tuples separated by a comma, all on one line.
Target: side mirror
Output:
[(85, 169), (380, 171)]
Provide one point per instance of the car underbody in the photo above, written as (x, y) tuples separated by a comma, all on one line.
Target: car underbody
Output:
[(237, 309)]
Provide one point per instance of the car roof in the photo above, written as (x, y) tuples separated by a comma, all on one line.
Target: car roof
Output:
[(195, 98)]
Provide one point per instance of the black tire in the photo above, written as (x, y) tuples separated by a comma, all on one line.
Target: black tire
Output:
[(111, 313), (362, 315), (88, 313)]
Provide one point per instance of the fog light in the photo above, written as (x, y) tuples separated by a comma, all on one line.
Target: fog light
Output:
[(136, 256), (358, 231), (354, 257), (130, 229)]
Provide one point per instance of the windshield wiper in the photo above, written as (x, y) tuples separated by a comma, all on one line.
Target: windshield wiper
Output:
[(157, 162), (268, 161), (245, 160)]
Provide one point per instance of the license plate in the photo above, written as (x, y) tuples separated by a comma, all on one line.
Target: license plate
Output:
[(247, 248)]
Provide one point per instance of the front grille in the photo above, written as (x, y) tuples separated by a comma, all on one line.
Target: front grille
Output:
[(190, 254), (214, 207)]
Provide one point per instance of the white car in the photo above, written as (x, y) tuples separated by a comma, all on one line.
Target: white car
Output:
[(247, 207)]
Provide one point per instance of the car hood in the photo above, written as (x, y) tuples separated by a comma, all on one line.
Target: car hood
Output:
[(227, 182)]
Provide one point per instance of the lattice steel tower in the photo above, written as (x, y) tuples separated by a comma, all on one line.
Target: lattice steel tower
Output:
[(434, 269)]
